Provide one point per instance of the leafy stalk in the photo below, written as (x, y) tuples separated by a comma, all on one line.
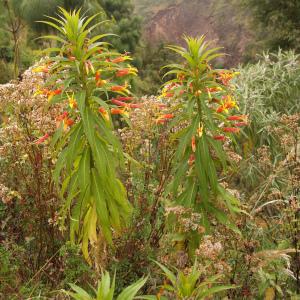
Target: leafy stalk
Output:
[(85, 75), (206, 101)]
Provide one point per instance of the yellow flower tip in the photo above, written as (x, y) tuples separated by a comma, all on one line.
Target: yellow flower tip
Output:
[(198, 93), (37, 70), (50, 97), (200, 130), (38, 92)]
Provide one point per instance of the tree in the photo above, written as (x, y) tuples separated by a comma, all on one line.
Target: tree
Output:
[(14, 25), (276, 22), (126, 26), (44, 8)]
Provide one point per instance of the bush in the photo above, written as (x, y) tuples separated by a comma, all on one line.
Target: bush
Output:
[(6, 71)]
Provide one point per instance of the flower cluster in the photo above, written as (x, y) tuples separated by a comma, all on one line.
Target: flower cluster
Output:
[(147, 119), (219, 100), (187, 219)]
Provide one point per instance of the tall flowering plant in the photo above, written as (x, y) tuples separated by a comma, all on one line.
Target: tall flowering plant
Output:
[(92, 82), (206, 119)]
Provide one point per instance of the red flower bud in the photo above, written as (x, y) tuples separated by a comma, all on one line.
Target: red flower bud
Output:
[(42, 139), (241, 124), (119, 103), (118, 88), (193, 144), (63, 116), (97, 76), (236, 118), (122, 72), (134, 105), (219, 137), (191, 159), (168, 116), (69, 122), (102, 110), (57, 92), (124, 98), (221, 109), (118, 60), (161, 121), (231, 129)]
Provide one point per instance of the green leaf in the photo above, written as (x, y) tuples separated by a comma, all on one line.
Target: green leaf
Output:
[(101, 206), (130, 292)]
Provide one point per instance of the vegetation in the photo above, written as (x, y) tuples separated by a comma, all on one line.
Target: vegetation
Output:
[(188, 191), (276, 23)]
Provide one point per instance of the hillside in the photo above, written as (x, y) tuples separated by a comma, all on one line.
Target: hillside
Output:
[(168, 20)]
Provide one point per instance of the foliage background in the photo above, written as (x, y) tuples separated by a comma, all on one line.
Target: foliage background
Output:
[(264, 173)]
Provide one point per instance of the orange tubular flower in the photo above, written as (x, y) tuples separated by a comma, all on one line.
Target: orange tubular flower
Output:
[(124, 72), (124, 98), (241, 124), (51, 94), (193, 144), (213, 89), (72, 58), (116, 111), (237, 118), (164, 118), (219, 137), (63, 116), (118, 88), (160, 121), (69, 122), (97, 76), (120, 59), (227, 103), (231, 129), (100, 83), (123, 104), (104, 113), (225, 77), (169, 95), (119, 103), (168, 116), (221, 108), (134, 105), (42, 139), (57, 92)]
